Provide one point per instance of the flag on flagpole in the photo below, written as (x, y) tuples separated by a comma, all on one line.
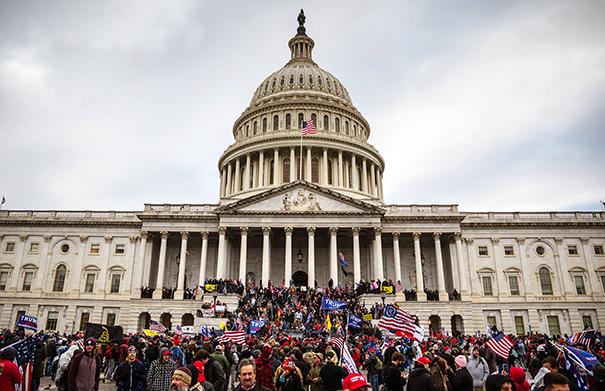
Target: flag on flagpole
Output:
[(578, 363), (3, 200), (342, 260), (308, 127), (235, 336), (582, 337), (157, 326), (499, 343)]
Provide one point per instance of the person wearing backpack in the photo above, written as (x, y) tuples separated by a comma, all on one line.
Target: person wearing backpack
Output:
[(479, 370), (374, 368)]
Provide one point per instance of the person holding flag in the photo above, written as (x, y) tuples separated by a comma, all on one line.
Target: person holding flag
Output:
[(9, 371)]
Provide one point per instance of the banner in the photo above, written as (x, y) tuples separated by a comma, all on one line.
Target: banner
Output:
[(220, 309), (367, 317), (355, 321), (387, 289), (332, 305), (210, 288), (103, 334), (27, 322), (204, 331), (255, 326), (208, 312)]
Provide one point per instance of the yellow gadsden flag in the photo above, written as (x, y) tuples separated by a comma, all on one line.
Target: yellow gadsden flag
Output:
[(328, 323), (150, 333)]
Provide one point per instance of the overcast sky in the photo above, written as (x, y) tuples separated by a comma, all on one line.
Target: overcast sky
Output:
[(493, 105)]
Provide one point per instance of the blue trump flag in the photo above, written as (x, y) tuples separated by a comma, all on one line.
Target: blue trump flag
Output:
[(255, 326), (355, 321), (332, 305)]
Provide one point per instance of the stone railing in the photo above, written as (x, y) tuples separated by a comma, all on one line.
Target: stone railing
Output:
[(67, 215), (534, 216), (180, 208), (421, 209)]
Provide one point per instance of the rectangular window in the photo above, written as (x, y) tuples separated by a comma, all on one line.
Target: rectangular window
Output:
[(34, 248), (598, 250), (10, 247), (120, 249), (90, 283), (51, 320), (27, 281), (84, 318), (491, 321), (519, 325), (95, 249), (513, 282), (572, 250), (482, 250), (487, 286), (509, 251), (111, 319), (3, 280), (580, 288), (115, 283), (587, 321), (553, 325), (603, 282)]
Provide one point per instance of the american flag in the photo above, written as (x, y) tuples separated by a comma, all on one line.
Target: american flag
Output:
[(346, 359), (26, 349), (499, 343), (156, 326), (583, 337), (235, 336), (400, 322), (308, 127)]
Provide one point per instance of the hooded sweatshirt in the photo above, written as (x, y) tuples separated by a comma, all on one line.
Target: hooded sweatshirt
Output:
[(64, 360), (517, 375)]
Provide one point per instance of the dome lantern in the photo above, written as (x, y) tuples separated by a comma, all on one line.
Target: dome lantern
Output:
[(301, 45)]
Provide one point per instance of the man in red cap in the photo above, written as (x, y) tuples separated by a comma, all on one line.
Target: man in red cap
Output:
[(355, 381), (420, 378)]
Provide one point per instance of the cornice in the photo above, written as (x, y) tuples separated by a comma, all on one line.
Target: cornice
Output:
[(533, 224), (82, 223), (428, 217), (178, 217)]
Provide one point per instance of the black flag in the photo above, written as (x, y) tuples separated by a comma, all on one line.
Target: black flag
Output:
[(103, 334)]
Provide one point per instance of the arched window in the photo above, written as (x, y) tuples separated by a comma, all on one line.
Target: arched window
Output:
[(264, 125), (301, 118), (354, 130), (288, 121), (347, 128), (314, 119), (337, 125), (275, 122), (286, 170), (255, 128), (59, 282), (545, 281), (247, 130), (330, 179), (326, 123), (315, 170)]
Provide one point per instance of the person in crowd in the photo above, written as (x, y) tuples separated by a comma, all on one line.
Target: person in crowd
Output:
[(219, 356), (159, 376), (507, 385), (394, 379), (181, 379), (85, 369), (373, 365), (264, 368), (313, 377), (549, 364), (131, 374), (110, 354), (597, 383), (478, 368), (420, 378), (288, 377), (461, 379), (554, 381), (213, 371), (331, 374), (355, 382), (63, 366), (519, 377), (247, 375), (9, 372), (38, 369), (438, 372)]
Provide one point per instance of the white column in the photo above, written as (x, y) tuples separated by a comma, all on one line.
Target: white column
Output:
[(229, 189), (311, 256), (561, 258), (247, 173), (525, 269), (333, 255), (261, 169), (159, 283), (396, 257), (243, 257), (266, 260), (440, 276), (137, 278), (499, 268), (379, 268), (379, 179), (45, 256), (254, 174), (221, 256), (178, 294), (292, 165), (238, 174), (276, 180), (203, 260), (373, 179), (324, 167), (462, 285), (356, 255), (308, 176), (364, 176), (355, 184), (593, 279), (223, 184), (346, 181), (19, 250), (288, 256), (419, 278), (340, 170)]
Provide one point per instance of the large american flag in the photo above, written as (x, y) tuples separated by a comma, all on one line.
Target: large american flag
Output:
[(400, 322), (235, 336), (346, 359), (499, 343), (583, 337), (308, 127), (26, 349), (156, 326)]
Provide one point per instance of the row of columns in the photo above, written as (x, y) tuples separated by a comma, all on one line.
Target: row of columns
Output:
[(221, 270), (235, 180)]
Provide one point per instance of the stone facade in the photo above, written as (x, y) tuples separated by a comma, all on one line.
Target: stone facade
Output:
[(280, 220)]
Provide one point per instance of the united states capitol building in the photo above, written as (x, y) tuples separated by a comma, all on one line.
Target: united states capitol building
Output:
[(284, 213)]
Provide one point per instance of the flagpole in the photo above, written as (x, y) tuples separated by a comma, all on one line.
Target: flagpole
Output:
[(300, 157)]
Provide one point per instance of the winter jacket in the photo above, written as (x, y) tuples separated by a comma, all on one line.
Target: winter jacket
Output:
[(214, 373), (130, 376), (392, 378), (159, 376), (461, 380), (64, 360), (479, 370), (331, 376), (291, 381), (420, 380), (77, 374)]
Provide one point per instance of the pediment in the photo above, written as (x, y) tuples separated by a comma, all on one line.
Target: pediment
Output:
[(300, 198)]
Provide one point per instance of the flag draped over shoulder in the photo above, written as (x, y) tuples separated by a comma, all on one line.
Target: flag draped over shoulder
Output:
[(103, 334), (499, 343)]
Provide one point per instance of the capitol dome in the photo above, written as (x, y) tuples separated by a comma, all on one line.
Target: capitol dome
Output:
[(267, 149)]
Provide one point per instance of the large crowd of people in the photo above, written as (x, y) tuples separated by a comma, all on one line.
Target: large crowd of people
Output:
[(298, 346)]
